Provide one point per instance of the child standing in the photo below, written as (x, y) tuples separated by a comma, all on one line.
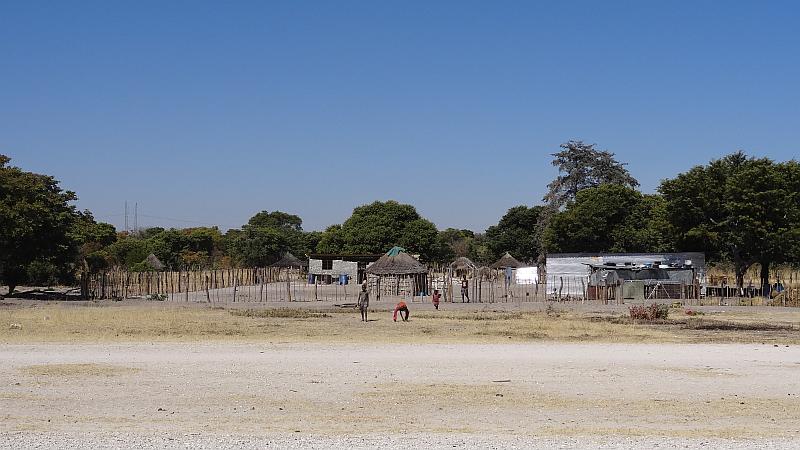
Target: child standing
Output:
[(436, 297)]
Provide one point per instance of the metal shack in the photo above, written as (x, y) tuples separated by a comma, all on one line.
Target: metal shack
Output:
[(569, 273), (639, 283)]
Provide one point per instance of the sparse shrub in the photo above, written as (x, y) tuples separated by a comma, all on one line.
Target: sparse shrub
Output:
[(694, 312), (277, 313), (551, 311), (649, 313)]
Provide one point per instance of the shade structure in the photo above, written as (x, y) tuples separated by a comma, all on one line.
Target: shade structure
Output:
[(506, 261)]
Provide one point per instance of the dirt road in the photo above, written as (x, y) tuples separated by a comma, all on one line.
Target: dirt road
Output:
[(467, 395)]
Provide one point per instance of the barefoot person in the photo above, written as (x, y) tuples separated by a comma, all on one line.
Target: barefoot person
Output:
[(363, 302), (464, 289), (401, 308), (436, 297)]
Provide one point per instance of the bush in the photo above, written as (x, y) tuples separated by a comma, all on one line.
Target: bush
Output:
[(42, 273), (650, 313)]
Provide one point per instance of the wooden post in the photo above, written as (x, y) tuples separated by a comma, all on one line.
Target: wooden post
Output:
[(261, 280), (234, 288)]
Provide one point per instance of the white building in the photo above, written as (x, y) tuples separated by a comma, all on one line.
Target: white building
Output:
[(329, 268)]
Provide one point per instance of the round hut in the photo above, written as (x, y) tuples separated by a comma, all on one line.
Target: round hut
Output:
[(506, 262), (460, 269), (154, 263), (462, 266), (397, 274), (286, 268)]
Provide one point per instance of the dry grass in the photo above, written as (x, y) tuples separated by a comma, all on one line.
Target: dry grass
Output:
[(702, 418), (76, 370), (161, 322)]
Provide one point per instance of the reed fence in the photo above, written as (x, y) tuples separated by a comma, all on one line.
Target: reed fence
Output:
[(269, 284)]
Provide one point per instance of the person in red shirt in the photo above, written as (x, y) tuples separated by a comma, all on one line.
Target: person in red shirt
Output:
[(436, 297), (401, 308)]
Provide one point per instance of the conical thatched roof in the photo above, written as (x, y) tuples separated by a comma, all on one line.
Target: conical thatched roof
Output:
[(154, 262), (507, 261), (289, 260), (462, 263), (399, 264)]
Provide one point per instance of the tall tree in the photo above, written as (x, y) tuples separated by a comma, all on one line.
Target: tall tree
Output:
[(743, 209), (377, 227), (36, 220), (581, 166)]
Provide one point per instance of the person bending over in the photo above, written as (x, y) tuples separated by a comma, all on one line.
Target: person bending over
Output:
[(401, 308)]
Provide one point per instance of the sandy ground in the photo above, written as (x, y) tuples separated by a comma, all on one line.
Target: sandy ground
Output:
[(351, 395)]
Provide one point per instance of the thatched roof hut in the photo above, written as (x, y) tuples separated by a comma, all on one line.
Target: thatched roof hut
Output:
[(289, 260), (154, 263), (463, 263), (396, 263), (506, 261)]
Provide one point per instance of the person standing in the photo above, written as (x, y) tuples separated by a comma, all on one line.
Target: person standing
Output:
[(464, 289), (436, 298), (363, 302)]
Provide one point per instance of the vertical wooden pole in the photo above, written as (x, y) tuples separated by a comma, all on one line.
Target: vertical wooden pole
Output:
[(234, 288)]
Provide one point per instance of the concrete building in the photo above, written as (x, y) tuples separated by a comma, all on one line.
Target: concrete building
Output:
[(329, 268)]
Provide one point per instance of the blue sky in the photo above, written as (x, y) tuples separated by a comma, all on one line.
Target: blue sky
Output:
[(211, 111)]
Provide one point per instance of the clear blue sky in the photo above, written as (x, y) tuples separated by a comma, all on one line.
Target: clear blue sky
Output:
[(212, 111)]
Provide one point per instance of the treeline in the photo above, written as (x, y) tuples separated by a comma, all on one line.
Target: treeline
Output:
[(738, 209)]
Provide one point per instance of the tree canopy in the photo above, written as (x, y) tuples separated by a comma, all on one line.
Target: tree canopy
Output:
[(746, 210), (267, 236), (609, 218), (516, 233), (36, 222), (379, 226), (581, 166)]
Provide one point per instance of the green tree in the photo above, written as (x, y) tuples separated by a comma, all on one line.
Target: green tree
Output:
[(377, 227), (36, 220), (128, 251), (259, 246), (276, 220), (742, 209), (609, 218), (92, 238), (453, 243), (267, 236), (178, 248), (516, 233)]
